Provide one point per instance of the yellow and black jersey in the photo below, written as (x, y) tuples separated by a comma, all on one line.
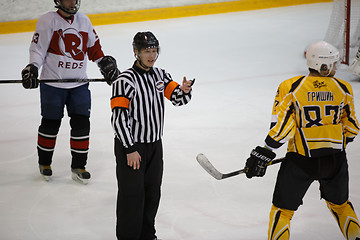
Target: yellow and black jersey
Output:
[(315, 114)]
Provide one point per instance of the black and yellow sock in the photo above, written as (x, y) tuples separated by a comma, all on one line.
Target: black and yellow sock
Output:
[(279, 225), (346, 219)]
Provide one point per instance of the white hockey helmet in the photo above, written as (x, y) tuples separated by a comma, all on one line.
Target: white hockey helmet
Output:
[(322, 56)]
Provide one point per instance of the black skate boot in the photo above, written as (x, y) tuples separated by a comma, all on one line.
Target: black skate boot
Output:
[(80, 175)]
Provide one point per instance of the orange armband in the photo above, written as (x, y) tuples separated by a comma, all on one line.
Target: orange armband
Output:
[(170, 88), (119, 102)]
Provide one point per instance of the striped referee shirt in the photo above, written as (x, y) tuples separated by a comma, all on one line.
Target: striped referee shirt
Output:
[(137, 104)]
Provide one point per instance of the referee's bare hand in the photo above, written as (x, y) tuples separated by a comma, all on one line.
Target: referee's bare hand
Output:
[(133, 160), (186, 85)]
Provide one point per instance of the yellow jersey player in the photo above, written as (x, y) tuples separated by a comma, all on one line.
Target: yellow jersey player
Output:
[(315, 115)]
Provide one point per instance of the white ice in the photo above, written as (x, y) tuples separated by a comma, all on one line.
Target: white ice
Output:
[(238, 60)]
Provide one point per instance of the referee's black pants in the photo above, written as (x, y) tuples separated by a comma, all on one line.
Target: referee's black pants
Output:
[(138, 191)]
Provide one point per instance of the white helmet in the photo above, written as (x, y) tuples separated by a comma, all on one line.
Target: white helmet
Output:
[(322, 56)]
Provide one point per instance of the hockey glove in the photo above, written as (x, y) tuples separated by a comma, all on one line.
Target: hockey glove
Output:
[(257, 163), (108, 69), (29, 77)]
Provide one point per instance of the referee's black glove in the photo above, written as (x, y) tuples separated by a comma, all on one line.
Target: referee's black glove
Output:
[(257, 163)]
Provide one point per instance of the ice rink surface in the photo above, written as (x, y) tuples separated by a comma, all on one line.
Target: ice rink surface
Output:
[(238, 60)]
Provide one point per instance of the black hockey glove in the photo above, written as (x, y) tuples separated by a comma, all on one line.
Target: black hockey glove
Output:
[(108, 69), (257, 163), (29, 76)]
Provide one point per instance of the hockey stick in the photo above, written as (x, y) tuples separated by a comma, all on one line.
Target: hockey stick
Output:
[(206, 164), (59, 80)]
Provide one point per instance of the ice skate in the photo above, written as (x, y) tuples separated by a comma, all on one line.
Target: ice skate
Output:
[(45, 171), (80, 175)]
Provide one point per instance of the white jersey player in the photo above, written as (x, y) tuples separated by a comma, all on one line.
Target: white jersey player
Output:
[(61, 44)]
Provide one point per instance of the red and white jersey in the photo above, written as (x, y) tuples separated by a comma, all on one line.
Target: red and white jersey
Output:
[(60, 46)]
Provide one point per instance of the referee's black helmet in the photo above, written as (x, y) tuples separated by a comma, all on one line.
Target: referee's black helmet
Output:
[(144, 40)]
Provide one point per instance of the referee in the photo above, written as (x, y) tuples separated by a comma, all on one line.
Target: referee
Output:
[(137, 105)]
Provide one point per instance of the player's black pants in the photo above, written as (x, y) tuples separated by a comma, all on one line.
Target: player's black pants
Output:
[(297, 173), (138, 192)]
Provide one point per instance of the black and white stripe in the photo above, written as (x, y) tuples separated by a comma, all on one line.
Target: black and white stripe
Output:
[(143, 120)]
